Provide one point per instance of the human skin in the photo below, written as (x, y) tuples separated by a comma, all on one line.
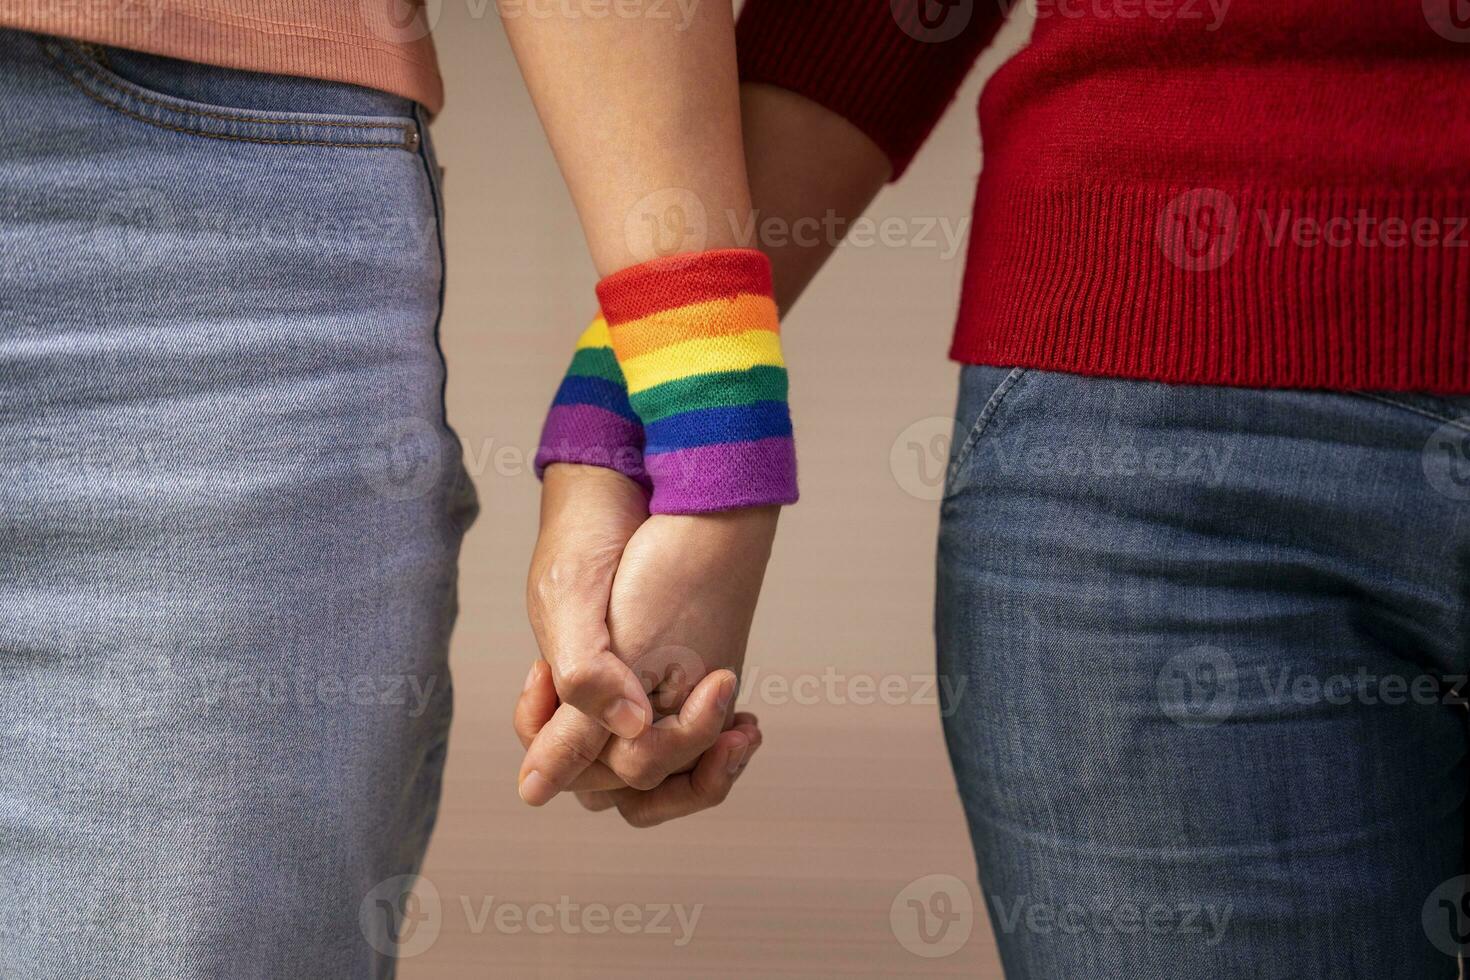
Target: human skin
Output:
[(633, 108)]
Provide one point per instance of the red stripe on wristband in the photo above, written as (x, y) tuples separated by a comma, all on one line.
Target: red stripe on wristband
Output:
[(679, 280)]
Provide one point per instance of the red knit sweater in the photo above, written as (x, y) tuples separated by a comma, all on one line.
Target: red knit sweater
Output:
[(1271, 193)]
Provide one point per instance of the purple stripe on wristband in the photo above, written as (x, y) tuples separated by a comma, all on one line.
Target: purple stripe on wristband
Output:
[(723, 476), (594, 436)]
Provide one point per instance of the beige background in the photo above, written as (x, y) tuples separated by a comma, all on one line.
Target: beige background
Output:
[(847, 802)]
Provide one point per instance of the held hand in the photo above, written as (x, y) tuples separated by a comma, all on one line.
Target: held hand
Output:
[(685, 595), (679, 766), (588, 515), (680, 610)]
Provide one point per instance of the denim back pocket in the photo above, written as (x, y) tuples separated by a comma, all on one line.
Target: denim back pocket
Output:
[(89, 68)]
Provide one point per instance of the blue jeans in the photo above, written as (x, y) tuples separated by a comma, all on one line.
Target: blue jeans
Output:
[(230, 512), (1208, 653)]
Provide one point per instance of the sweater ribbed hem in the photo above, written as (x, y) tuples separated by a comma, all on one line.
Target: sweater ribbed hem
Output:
[(890, 74), (357, 43), (1227, 286)]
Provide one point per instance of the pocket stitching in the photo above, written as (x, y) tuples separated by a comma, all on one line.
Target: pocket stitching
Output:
[(981, 425), (1459, 423), (408, 142), (141, 96)]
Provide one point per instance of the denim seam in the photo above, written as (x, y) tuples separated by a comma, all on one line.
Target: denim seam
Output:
[(1416, 409), (408, 142), (101, 58), (429, 162), (982, 423)]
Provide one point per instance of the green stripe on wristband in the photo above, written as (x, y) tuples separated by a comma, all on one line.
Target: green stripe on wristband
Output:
[(597, 362), (724, 388)]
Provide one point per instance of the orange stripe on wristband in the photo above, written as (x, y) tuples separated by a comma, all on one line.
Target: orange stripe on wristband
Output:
[(712, 318)]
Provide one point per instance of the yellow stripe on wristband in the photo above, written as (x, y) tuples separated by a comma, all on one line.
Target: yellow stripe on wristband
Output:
[(596, 334), (705, 355)]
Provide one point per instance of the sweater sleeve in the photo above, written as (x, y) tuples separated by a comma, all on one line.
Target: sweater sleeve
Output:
[(890, 67)]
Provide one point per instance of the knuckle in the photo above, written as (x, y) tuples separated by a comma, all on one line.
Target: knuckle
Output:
[(550, 581), (566, 573), (577, 681), (715, 793), (641, 773)]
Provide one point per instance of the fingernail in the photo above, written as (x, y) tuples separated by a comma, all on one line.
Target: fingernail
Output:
[(531, 677), (737, 757), (625, 719), (536, 789), (727, 691)]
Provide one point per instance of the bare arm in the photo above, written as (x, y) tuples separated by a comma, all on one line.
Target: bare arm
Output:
[(643, 115), (646, 126), (640, 111), (805, 162), (634, 142)]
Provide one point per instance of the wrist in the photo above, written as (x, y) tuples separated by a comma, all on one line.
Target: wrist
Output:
[(591, 422), (575, 494), (698, 342)]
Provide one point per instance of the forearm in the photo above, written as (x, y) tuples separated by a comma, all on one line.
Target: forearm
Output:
[(807, 165), (839, 95), (646, 121), (810, 169), (643, 114)]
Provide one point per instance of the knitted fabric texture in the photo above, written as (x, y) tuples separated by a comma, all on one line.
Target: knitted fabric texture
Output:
[(375, 45), (1272, 195), (698, 343), (591, 420)]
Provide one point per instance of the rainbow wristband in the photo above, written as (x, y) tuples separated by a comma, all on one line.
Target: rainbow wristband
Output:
[(591, 421), (698, 342)]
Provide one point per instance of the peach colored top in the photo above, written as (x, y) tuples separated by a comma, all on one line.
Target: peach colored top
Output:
[(381, 44)]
